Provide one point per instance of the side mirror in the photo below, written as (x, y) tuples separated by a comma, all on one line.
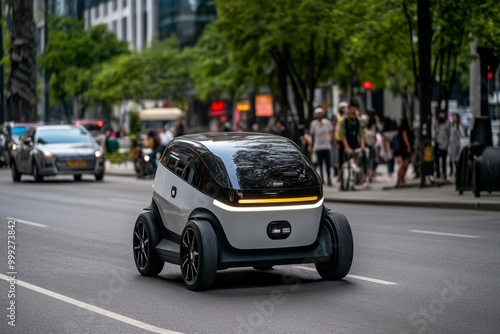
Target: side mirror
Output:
[(28, 141)]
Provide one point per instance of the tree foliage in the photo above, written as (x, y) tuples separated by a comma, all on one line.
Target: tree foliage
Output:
[(73, 56)]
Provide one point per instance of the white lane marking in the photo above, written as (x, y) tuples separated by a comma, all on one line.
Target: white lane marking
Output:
[(445, 234), (91, 308), (361, 278), (20, 221), (128, 201)]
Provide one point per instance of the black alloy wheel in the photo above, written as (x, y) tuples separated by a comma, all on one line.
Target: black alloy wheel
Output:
[(339, 263), (36, 173), (198, 255), (146, 237)]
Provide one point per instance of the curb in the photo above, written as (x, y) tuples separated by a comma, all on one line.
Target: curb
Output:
[(421, 204)]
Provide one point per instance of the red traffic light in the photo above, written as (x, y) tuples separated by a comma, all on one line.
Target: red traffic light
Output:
[(367, 85), (490, 75)]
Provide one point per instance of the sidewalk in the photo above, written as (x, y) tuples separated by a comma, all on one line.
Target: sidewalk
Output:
[(382, 192)]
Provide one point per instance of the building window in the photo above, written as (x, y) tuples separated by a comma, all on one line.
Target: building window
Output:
[(124, 3), (134, 30), (144, 29), (114, 25), (115, 5), (124, 29), (96, 11), (105, 11)]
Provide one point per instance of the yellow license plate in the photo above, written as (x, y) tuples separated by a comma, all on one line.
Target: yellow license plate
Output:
[(76, 163)]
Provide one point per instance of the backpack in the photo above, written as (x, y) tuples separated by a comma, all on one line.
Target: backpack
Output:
[(396, 148)]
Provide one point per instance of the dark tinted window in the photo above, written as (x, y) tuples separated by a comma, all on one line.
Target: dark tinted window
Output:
[(176, 159)]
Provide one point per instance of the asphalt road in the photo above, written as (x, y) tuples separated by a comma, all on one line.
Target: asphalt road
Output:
[(415, 271)]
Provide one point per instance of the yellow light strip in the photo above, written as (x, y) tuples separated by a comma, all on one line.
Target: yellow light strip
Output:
[(277, 200)]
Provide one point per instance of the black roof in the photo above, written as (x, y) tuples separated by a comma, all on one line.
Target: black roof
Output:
[(253, 160)]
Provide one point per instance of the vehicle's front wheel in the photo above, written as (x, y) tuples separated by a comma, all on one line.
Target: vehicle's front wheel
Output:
[(198, 255), (339, 263), (36, 173), (16, 176), (146, 238), (99, 176)]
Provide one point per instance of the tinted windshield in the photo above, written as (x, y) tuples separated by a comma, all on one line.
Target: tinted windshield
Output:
[(63, 136)]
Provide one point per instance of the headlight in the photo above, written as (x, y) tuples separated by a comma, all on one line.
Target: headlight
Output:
[(47, 154), (98, 154), (146, 158), (14, 146)]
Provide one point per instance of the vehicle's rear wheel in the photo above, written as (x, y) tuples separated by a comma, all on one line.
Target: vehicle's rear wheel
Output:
[(146, 237), (77, 177), (198, 255), (16, 176), (36, 173), (339, 263)]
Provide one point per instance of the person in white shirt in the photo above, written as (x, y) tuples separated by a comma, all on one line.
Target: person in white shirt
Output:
[(321, 133)]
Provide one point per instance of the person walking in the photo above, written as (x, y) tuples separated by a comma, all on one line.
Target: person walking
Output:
[(338, 139), (441, 138), (371, 130), (456, 133), (321, 132), (404, 150)]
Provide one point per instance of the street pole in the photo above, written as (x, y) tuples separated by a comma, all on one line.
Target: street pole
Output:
[(46, 91), (424, 54)]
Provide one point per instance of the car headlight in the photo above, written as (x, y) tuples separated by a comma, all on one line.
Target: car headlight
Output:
[(47, 154), (146, 158), (14, 146), (98, 154)]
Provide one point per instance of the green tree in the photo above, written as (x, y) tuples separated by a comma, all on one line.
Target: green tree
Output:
[(73, 55), (292, 40), (159, 72)]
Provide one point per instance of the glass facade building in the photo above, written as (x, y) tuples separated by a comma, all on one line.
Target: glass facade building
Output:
[(185, 19)]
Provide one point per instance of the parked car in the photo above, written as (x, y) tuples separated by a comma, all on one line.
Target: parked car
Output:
[(48, 150), (223, 200), (11, 133)]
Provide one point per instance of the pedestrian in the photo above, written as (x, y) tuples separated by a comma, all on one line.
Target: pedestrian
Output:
[(456, 133), (404, 150), (371, 131), (386, 152), (353, 137), (441, 139), (321, 133), (338, 139), (154, 143)]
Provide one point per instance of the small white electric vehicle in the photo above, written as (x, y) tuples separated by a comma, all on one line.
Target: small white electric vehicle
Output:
[(224, 200)]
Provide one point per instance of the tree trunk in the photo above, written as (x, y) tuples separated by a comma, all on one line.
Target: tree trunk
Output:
[(21, 85)]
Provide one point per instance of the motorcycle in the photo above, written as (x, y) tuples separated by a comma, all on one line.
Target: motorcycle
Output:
[(142, 162)]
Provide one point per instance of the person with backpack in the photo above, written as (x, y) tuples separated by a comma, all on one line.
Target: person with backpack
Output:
[(353, 137)]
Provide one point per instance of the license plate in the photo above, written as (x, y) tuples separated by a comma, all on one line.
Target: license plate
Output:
[(76, 163)]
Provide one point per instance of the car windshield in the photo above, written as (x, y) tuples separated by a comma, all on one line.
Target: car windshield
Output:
[(66, 136)]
